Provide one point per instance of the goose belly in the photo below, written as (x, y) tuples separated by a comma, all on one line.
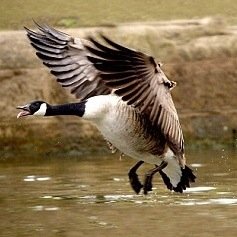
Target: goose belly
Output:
[(126, 137)]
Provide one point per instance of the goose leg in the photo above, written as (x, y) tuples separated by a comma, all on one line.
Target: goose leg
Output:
[(149, 175), (133, 177)]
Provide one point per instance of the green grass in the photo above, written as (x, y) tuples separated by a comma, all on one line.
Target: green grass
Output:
[(75, 13)]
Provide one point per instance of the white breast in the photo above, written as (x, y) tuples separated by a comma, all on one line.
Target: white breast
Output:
[(117, 127)]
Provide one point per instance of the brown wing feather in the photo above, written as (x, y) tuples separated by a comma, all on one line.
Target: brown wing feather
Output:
[(66, 57), (138, 79)]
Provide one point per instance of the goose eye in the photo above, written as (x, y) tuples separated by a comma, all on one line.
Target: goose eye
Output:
[(34, 106)]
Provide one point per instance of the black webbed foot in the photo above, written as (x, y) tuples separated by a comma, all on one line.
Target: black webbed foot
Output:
[(148, 183), (133, 178), (135, 183)]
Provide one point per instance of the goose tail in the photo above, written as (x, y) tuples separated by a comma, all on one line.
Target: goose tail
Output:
[(183, 182), (177, 178)]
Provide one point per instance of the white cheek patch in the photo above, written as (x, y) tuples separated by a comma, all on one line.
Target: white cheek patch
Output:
[(41, 111)]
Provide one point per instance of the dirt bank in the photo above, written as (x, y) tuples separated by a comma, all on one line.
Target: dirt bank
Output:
[(199, 55)]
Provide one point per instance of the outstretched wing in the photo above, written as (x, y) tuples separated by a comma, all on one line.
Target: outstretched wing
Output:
[(66, 57), (90, 68), (139, 80)]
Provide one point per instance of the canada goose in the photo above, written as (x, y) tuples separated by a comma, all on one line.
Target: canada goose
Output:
[(125, 94)]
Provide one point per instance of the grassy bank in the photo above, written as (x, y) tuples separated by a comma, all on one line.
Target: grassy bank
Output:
[(77, 13), (200, 55)]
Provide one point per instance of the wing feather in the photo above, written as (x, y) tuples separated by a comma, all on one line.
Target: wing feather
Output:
[(139, 80), (66, 57)]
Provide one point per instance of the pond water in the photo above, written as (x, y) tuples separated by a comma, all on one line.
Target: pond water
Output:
[(90, 196)]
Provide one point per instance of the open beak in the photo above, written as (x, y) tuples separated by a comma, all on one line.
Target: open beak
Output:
[(25, 110)]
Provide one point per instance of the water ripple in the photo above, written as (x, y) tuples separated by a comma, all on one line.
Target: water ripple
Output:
[(43, 208), (199, 189), (32, 178)]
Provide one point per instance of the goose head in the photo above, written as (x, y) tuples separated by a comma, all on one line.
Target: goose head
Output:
[(37, 108)]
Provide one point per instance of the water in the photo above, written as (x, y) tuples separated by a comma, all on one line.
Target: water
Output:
[(90, 196)]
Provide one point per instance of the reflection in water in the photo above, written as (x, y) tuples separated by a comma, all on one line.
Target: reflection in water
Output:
[(91, 196)]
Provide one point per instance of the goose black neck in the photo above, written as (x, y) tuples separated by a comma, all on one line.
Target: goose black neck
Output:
[(77, 109)]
